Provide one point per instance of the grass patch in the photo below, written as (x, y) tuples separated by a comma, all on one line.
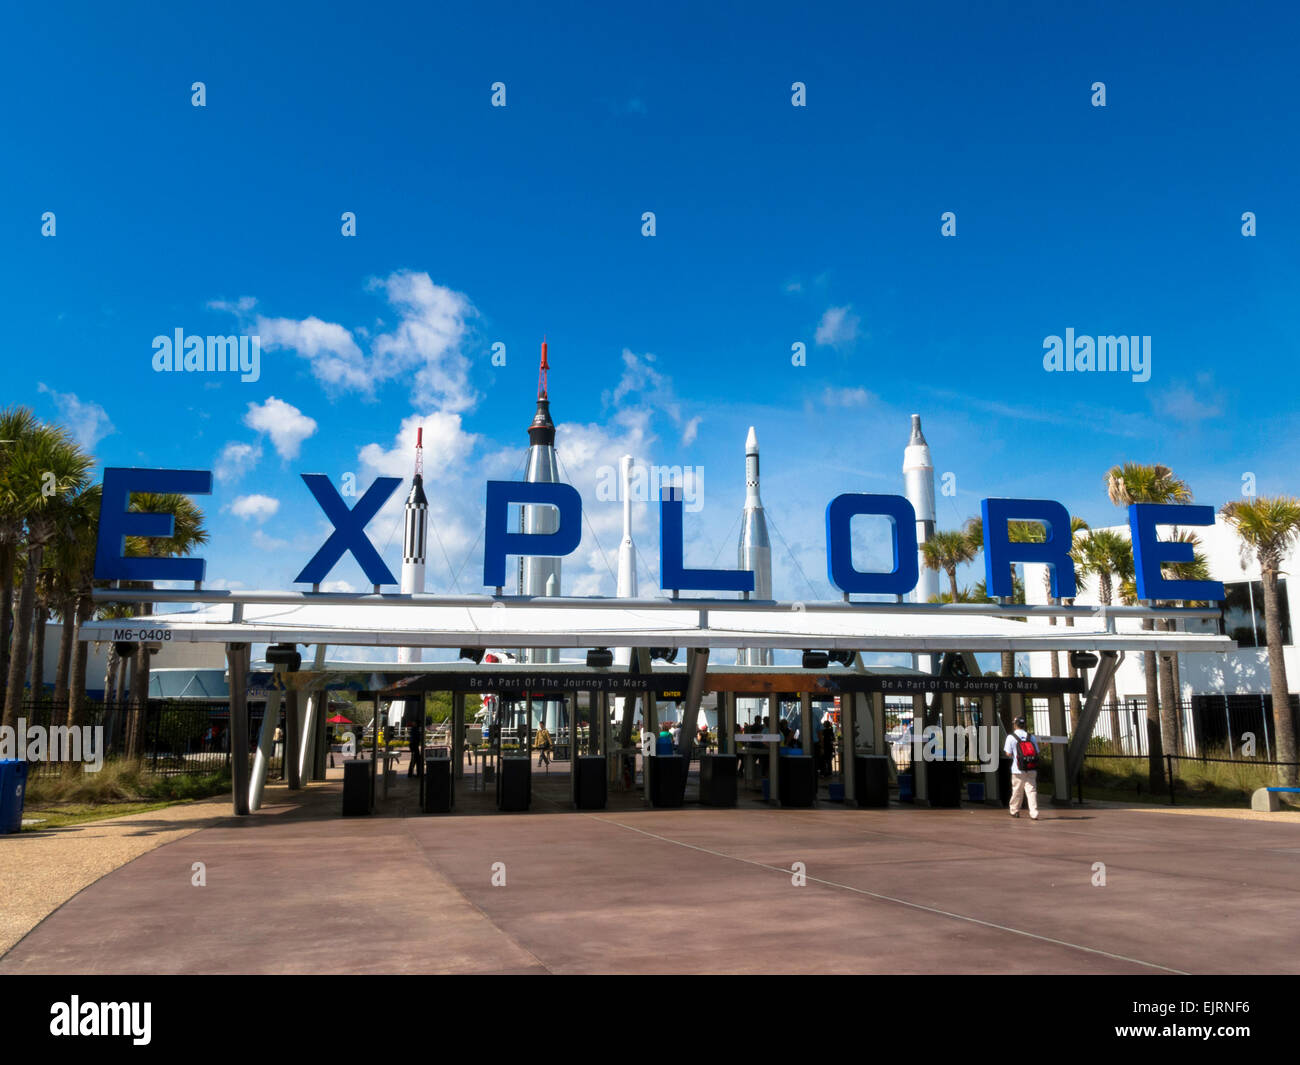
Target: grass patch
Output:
[(1213, 784), (75, 813), (121, 783)]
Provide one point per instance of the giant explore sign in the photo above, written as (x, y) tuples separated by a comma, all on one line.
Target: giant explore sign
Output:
[(1150, 553)]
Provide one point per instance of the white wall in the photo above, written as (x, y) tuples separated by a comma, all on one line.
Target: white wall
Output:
[(171, 655), (1242, 672)]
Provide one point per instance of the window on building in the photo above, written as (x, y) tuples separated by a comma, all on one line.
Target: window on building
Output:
[(1243, 613)]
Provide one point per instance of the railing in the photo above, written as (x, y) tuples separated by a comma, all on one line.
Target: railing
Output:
[(168, 736)]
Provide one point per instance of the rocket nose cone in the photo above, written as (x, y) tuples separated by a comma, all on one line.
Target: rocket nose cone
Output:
[(751, 442), (917, 436)]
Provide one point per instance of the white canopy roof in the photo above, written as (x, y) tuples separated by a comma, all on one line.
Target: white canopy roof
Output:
[(873, 627)]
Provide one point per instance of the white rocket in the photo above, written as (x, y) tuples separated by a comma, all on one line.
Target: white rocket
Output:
[(918, 481), (413, 541), (626, 588), (754, 551)]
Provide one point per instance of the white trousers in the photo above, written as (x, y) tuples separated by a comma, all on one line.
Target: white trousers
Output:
[(1024, 785)]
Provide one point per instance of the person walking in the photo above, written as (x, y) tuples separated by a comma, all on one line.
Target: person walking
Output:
[(542, 741), (416, 734), (1022, 748), (827, 746)]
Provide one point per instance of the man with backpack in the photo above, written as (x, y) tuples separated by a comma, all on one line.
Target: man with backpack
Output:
[(1022, 749)]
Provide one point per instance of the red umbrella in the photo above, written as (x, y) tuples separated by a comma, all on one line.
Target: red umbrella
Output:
[(338, 719)]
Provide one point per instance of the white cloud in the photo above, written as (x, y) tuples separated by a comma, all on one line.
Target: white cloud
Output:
[(284, 423), (427, 340), (846, 397), (257, 507), (337, 586), (268, 543), (424, 347), (235, 460), (654, 391), (838, 327), (335, 358), (1183, 404), (85, 420), (241, 306), (447, 446)]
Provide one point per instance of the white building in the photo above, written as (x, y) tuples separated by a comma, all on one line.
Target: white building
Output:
[(1225, 694)]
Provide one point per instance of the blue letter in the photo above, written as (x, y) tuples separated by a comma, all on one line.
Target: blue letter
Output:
[(498, 542), (673, 574), (901, 578), (349, 530), (117, 522), (1000, 552), (1150, 553)]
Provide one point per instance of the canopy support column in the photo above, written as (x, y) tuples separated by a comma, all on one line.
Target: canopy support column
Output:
[(920, 787), (265, 747), (1060, 751), (727, 724), (989, 721), (237, 662), (292, 734), (806, 738), (773, 750), (1108, 662), (697, 668), (457, 732), (848, 746)]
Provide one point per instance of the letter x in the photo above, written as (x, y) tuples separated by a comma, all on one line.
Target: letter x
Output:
[(349, 530)]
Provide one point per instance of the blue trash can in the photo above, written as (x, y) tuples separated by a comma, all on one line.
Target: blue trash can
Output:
[(905, 787), (13, 790)]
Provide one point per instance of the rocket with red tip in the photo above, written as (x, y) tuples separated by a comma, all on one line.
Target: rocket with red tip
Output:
[(413, 541)]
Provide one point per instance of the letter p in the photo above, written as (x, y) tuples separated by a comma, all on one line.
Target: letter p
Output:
[(500, 542)]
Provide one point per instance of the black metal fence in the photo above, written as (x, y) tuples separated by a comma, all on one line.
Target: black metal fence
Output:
[(168, 736), (1180, 770)]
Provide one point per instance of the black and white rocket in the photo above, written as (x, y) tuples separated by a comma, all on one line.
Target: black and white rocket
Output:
[(754, 551), (413, 540), (918, 485)]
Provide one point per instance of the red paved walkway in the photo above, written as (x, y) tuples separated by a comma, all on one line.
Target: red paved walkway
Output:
[(694, 890)]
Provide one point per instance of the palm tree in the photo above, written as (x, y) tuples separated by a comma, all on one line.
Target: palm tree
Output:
[(945, 551), (1106, 555), (188, 532), (1129, 483), (965, 595), (69, 559), (1267, 527), (1198, 569), (44, 471), (16, 425), (82, 570)]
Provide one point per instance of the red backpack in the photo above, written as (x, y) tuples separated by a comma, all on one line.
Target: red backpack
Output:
[(1027, 754)]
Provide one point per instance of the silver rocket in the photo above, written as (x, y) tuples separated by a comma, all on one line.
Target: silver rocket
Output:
[(918, 482), (413, 541), (540, 576), (754, 550)]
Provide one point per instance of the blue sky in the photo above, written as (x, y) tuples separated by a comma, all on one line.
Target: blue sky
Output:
[(775, 225)]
